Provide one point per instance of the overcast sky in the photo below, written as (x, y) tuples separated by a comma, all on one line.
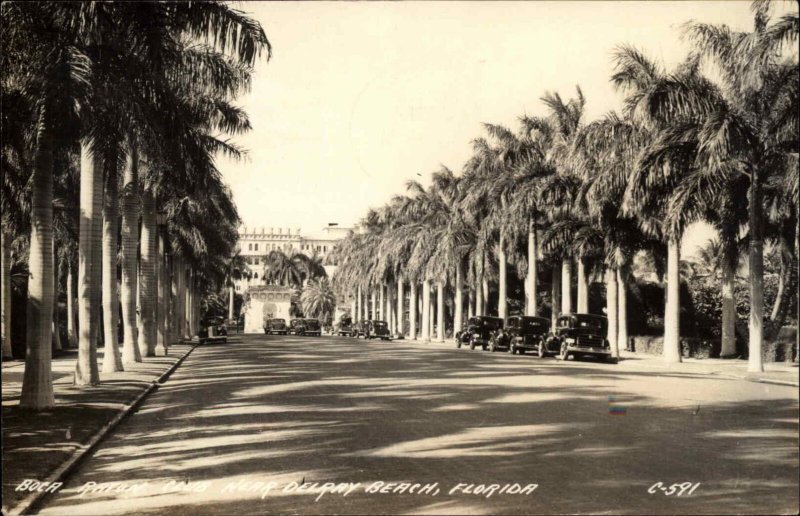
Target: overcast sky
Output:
[(360, 97)]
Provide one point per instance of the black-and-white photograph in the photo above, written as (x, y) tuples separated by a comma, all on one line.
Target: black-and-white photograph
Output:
[(388, 258)]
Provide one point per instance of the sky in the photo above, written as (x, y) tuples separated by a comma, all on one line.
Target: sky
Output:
[(360, 97)]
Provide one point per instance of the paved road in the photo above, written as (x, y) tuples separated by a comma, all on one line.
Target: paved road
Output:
[(239, 426)]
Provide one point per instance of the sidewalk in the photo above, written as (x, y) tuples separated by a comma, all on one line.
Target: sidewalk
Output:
[(778, 373), (38, 445)]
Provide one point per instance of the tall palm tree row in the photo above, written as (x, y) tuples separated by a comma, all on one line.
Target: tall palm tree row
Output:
[(142, 87), (562, 191)]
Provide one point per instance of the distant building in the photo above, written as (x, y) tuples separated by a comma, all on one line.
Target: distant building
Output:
[(255, 243)]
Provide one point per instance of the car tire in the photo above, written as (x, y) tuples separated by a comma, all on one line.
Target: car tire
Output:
[(472, 343), (512, 350), (541, 352), (564, 354), (458, 343), (492, 345)]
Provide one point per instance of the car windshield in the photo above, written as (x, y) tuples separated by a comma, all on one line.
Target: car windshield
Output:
[(379, 324), (530, 323), (492, 322), (593, 323), (312, 323), (279, 321)]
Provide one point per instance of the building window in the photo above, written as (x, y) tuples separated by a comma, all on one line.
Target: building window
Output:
[(256, 260), (249, 247), (255, 276), (256, 247)]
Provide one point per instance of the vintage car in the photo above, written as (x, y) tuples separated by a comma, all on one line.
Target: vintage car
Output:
[(275, 327), (520, 334), (297, 327), (358, 329), (479, 331), (344, 326), (377, 330), (213, 329), (580, 335), (312, 327)]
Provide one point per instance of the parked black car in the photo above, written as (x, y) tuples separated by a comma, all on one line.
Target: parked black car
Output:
[(377, 330), (479, 331), (345, 326), (275, 326), (297, 327), (580, 335), (522, 333), (312, 328), (213, 329)]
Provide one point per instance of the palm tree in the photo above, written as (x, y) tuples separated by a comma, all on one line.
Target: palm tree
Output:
[(50, 73), (749, 126), (319, 299), (657, 174)]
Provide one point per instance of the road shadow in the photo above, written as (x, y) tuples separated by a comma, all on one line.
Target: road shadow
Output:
[(593, 437)]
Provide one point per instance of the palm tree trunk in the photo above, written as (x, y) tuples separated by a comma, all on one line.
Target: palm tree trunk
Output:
[(479, 298), (6, 293), (555, 293), (364, 305), (470, 304), (148, 289), (37, 383), (185, 277), (426, 310), (373, 314), (622, 318), (190, 304), (357, 306), (755, 363), (458, 303), (128, 258), (112, 361), (484, 305), (531, 307), (161, 309), (776, 306), (612, 310), (72, 334), (440, 311), (56, 333), (412, 310), (90, 238), (400, 308), (502, 307), (728, 348), (583, 287), (173, 298), (672, 335), (566, 286), (230, 302), (382, 313)]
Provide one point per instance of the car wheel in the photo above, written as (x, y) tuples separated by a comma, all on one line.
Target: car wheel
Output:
[(492, 345), (458, 343), (511, 348), (564, 353), (472, 343), (540, 352)]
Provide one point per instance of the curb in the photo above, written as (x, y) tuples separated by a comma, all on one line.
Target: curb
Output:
[(60, 474)]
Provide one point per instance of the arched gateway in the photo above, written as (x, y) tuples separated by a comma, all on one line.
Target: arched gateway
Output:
[(265, 301)]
